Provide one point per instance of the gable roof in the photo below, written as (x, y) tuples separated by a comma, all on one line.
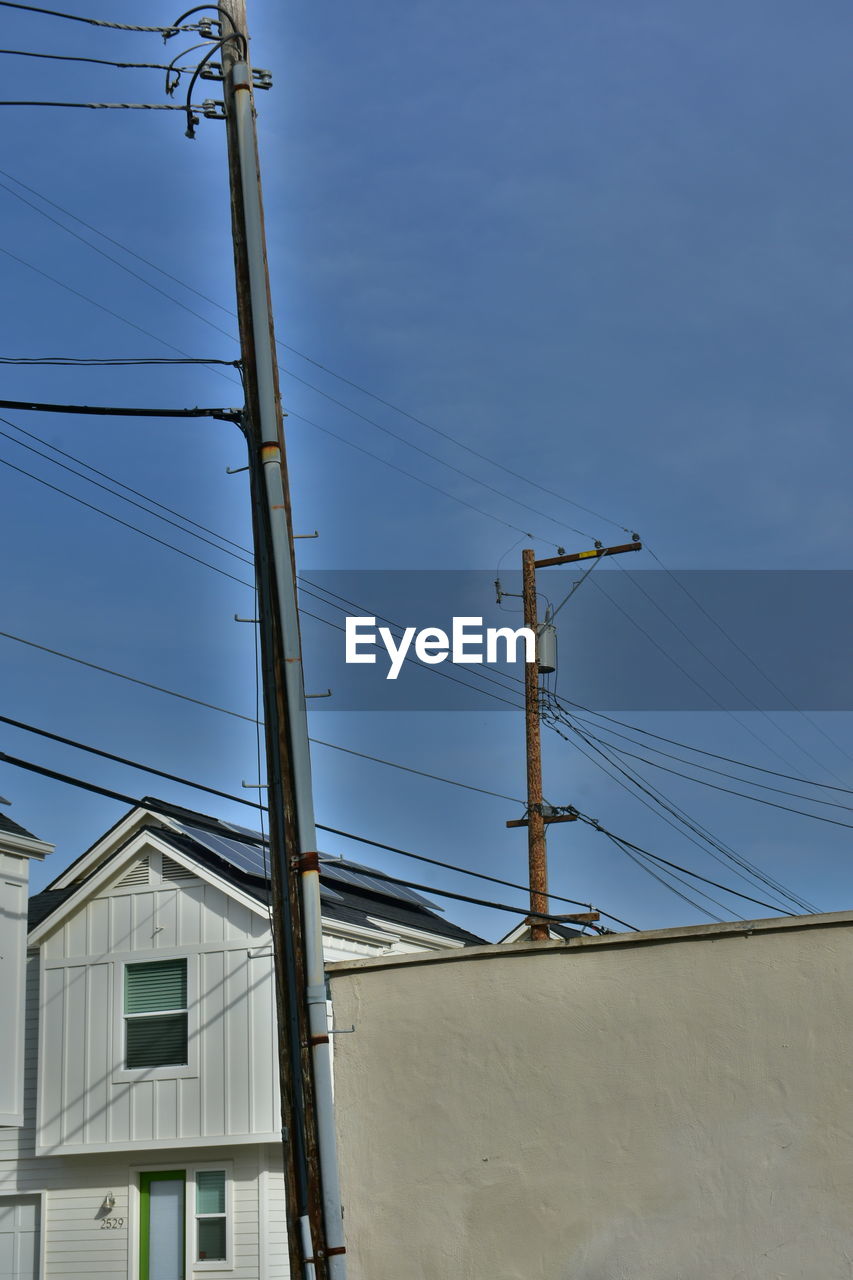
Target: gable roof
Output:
[(350, 893), (6, 824), (16, 840), (42, 904)]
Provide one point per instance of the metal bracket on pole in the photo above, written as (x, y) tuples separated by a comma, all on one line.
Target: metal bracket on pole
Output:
[(213, 71), (560, 817)]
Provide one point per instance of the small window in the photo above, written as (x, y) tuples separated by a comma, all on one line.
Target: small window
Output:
[(210, 1215), (155, 1014)]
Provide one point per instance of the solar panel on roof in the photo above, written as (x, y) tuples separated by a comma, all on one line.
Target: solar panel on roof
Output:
[(241, 854), (362, 878), (252, 858), (249, 832)]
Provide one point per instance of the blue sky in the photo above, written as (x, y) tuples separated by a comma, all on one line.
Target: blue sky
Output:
[(606, 246)]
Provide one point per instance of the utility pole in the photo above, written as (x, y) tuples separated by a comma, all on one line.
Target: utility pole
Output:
[(536, 819), (536, 854), (314, 1216)]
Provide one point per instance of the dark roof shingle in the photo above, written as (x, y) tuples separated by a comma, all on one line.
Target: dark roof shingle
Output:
[(14, 828)]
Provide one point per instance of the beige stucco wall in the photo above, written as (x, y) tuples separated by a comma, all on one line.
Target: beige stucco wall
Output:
[(670, 1106)]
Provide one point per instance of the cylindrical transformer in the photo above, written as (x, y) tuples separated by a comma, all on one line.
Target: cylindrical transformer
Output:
[(546, 647)]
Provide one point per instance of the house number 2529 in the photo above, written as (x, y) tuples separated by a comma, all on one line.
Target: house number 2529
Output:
[(111, 1224)]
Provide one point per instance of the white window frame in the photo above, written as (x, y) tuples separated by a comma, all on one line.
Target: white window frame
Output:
[(190, 1232), (123, 1074), (226, 1264)]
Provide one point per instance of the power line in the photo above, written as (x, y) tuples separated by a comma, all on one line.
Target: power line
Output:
[(597, 583), (668, 813), (165, 810), (120, 675), (711, 844), (747, 656), (216, 569), (714, 755), (592, 822), (421, 773), (341, 404), (98, 22), (114, 480), (496, 678), (667, 885), (284, 346), (446, 435), (131, 764), (719, 669), (101, 106), (395, 435), (310, 386), (672, 814), (162, 542), (96, 362), (101, 62), (391, 764), (126, 524), (206, 563), (744, 795), (480, 675), (420, 480), (722, 773), (121, 496), (148, 498), (450, 866), (446, 675), (123, 411), (101, 307), (350, 444)]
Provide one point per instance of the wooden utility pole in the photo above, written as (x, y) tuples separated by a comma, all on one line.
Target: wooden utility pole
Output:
[(536, 855), (536, 820), (314, 1218)]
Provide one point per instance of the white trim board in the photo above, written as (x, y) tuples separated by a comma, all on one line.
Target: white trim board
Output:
[(111, 869)]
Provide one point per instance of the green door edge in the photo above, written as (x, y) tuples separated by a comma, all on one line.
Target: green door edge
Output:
[(145, 1180)]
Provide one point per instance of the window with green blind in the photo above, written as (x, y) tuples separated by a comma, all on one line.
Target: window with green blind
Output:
[(155, 1014), (211, 1242)]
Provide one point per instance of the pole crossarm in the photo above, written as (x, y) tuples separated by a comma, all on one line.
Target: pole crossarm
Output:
[(556, 817), (595, 553)]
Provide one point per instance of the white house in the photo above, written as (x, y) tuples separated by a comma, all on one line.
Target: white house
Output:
[(146, 1145)]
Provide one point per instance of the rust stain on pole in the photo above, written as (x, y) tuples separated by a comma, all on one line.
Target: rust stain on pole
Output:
[(537, 858)]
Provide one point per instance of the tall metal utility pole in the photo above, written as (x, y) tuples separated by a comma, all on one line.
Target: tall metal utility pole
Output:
[(315, 1223), (535, 819)]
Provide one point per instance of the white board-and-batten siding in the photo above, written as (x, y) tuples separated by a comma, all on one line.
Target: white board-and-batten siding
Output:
[(72, 1189), (228, 1092)]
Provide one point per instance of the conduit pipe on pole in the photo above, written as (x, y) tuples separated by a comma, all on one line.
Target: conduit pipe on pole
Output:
[(271, 457)]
